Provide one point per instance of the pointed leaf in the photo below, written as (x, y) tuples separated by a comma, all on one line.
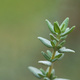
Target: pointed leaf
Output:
[(55, 59), (48, 63), (65, 24), (53, 43), (49, 53), (35, 71), (68, 31), (45, 55), (62, 27), (45, 42), (53, 37), (56, 28), (42, 71), (50, 26), (65, 50)]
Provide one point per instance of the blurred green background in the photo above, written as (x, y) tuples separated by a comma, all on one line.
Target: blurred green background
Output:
[(21, 22)]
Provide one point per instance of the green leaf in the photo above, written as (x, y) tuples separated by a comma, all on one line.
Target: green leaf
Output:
[(61, 56), (55, 59), (53, 37), (58, 55), (61, 79), (45, 55), (64, 24), (68, 31), (49, 53), (62, 28), (45, 42), (35, 71), (50, 26), (64, 37), (53, 43), (65, 50), (62, 43), (42, 71), (48, 63), (59, 46), (56, 28)]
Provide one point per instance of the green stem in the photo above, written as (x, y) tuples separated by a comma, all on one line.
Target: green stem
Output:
[(53, 56), (51, 67)]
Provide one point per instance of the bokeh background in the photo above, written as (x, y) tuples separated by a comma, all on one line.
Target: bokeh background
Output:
[(21, 22)]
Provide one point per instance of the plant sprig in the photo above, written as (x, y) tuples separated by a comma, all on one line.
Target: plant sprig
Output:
[(58, 35)]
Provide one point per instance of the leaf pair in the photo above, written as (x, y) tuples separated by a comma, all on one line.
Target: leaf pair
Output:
[(41, 73), (58, 56), (54, 29), (62, 29), (64, 25)]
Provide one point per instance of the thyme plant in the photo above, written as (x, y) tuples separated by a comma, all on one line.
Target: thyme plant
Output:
[(58, 35)]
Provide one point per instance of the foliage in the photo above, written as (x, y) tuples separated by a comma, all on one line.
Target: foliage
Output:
[(58, 35)]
